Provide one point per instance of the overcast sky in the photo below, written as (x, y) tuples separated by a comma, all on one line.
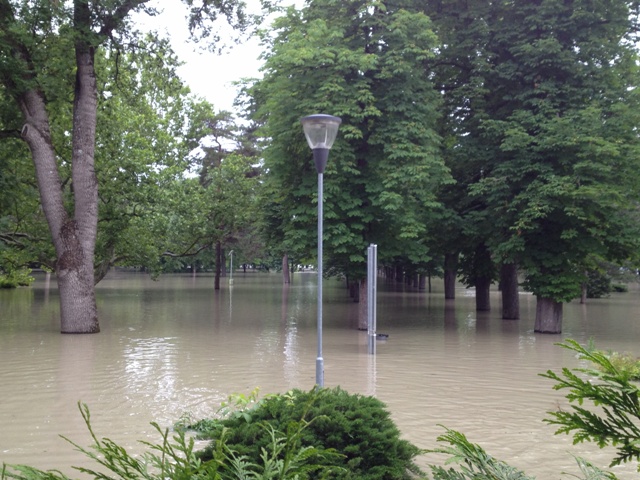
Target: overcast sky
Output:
[(208, 75)]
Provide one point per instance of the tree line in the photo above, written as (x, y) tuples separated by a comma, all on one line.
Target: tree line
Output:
[(487, 141)]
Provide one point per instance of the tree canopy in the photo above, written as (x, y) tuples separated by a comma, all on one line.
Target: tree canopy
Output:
[(364, 62)]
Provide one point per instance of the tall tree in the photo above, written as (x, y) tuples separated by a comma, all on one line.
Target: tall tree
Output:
[(47, 54), (363, 61), (550, 106)]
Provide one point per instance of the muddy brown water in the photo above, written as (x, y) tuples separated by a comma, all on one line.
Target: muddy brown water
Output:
[(174, 347)]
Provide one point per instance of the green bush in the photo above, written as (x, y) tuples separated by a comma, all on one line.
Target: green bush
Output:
[(598, 284), (619, 288), (358, 427), (283, 458), (16, 278)]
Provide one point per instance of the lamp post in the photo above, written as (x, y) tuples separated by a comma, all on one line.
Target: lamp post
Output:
[(321, 131), (231, 268)]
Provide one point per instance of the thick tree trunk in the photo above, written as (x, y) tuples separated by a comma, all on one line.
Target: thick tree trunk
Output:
[(450, 274), (548, 316), (483, 298), (583, 293), (223, 265), (510, 295), (286, 277), (355, 291), (363, 304), (73, 238)]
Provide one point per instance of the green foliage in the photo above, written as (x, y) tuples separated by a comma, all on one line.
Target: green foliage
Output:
[(358, 427), (598, 284), (610, 387), (282, 458), (16, 278), (539, 135), (619, 288), (626, 363), (363, 61), (475, 463)]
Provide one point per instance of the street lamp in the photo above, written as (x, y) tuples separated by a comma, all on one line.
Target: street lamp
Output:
[(321, 131)]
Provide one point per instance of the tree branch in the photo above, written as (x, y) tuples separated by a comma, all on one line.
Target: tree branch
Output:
[(113, 21)]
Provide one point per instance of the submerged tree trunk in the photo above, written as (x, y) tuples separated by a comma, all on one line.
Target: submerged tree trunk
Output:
[(483, 298), (354, 291), (219, 261), (73, 231), (73, 237), (548, 316), (450, 274), (363, 304), (510, 296), (286, 277)]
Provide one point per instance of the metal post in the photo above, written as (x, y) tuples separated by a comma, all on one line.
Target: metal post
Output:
[(319, 359), (231, 268), (374, 299), (372, 269)]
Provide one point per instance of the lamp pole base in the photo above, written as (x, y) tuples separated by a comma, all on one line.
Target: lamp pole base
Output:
[(320, 372)]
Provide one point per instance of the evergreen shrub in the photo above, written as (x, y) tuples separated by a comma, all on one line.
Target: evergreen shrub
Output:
[(358, 427)]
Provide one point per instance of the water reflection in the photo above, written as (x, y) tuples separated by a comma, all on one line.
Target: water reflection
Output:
[(177, 346)]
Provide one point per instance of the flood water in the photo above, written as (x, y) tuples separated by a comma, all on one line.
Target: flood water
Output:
[(175, 347)]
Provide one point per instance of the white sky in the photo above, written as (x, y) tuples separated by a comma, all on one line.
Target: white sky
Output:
[(208, 75)]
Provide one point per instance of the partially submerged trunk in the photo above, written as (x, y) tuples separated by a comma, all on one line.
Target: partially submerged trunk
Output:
[(548, 316), (483, 298), (286, 277), (363, 305), (450, 275), (73, 237), (510, 295), (219, 260), (74, 231)]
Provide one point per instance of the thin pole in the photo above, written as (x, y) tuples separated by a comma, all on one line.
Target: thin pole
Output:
[(319, 359)]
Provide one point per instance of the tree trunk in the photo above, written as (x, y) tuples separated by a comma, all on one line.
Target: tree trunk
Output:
[(483, 298), (510, 295), (73, 238), (223, 264), (450, 273), (548, 316), (583, 293), (363, 304), (355, 291), (399, 274), (422, 283), (286, 277), (219, 261)]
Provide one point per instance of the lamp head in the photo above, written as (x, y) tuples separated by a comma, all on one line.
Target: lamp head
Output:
[(321, 131)]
